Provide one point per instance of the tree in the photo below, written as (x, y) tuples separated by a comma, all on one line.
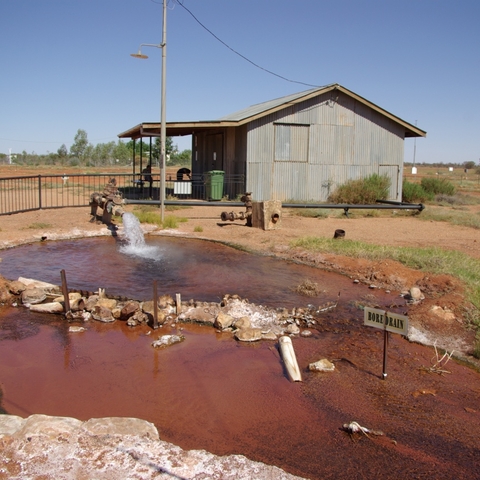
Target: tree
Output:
[(62, 153), (102, 153), (183, 159), (80, 145), (122, 153), (170, 148), (469, 165)]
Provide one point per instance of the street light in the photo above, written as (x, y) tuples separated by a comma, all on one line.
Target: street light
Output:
[(163, 129)]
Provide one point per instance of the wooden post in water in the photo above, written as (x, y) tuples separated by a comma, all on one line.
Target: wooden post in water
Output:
[(155, 305), (66, 299), (179, 303)]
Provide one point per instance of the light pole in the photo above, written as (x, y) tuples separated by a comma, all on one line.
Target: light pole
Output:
[(163, 105)]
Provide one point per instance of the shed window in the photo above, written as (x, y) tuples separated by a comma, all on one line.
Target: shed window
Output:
[(291, 143)]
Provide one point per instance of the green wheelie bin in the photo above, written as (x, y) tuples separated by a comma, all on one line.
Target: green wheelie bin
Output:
[(214, 184)]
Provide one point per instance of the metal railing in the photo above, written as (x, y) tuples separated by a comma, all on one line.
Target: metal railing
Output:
[(27, 193)]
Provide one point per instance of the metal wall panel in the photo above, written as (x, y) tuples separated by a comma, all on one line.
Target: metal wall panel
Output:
[(346, 140)]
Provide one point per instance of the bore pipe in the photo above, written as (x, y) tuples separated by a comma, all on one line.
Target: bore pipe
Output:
[(289, 359), (387, 205)]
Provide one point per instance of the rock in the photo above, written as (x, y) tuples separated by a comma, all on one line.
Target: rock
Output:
[(29, 282), (9, 424), (443, 313), (77, 316), (102, 314), (292, 329), (165, 301), (416, 294), (248, 334), (243, 322), (323, 365), (74, 329), (91, 302), (129, 309), (101, 448), (223, 321), (42, 425), (33, 295), (76, 301), (269, 336), (139, 317), (147, 306), (51, 307), (306, 333), (121, 426), (131, 322), (16, 287), (72, 296), (167, 340), (162, 312), (198, 315), (5, 295), (77, 304), (109, 303)]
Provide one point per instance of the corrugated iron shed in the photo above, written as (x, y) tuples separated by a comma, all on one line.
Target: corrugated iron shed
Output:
[(299, 147), (259, 110)]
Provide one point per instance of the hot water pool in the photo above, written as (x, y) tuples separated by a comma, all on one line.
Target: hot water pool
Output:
[(209, 392)]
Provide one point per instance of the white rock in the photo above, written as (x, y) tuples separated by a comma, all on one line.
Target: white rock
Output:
[(322, 365), (74, 329), (167, 340), (52, 307), (112, 448)]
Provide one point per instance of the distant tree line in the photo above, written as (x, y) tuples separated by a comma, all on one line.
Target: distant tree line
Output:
[(83, 153)]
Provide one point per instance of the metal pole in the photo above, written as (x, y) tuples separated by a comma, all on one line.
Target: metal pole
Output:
[(385, 345), (40, 192), (163, 131)]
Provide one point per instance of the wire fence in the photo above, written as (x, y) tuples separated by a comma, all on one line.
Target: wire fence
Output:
[(27, 193)]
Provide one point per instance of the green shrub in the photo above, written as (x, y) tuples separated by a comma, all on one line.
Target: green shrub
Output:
[(39, 226), (456, 200), (148, 216), (170, 221), (362, 191), (415, 193), (198, 228), (437, 186)]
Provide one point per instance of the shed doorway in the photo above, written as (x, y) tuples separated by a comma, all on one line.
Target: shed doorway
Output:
[(214, 151)]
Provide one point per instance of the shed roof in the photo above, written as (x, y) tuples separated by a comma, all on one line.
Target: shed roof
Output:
[(260, 110)]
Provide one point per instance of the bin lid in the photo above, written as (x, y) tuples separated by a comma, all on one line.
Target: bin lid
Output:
[(216, 172)]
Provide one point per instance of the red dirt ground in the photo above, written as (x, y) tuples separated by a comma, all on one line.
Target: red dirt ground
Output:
[(431, 421)]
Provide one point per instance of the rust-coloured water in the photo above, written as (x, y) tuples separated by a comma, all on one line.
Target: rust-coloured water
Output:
[(213, 393), (196, 269)]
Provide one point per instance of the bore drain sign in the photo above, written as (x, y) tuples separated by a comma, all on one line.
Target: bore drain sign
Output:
[(388, 322), (392, 322)]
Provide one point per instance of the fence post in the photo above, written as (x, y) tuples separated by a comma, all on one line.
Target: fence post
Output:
[(40, 192)]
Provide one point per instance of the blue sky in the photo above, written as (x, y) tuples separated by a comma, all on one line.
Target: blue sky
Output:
[(65, 65)]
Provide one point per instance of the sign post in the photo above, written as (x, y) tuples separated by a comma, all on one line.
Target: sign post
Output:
[(388, 322)]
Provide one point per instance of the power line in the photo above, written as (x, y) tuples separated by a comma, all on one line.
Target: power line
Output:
[(180, 2)]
